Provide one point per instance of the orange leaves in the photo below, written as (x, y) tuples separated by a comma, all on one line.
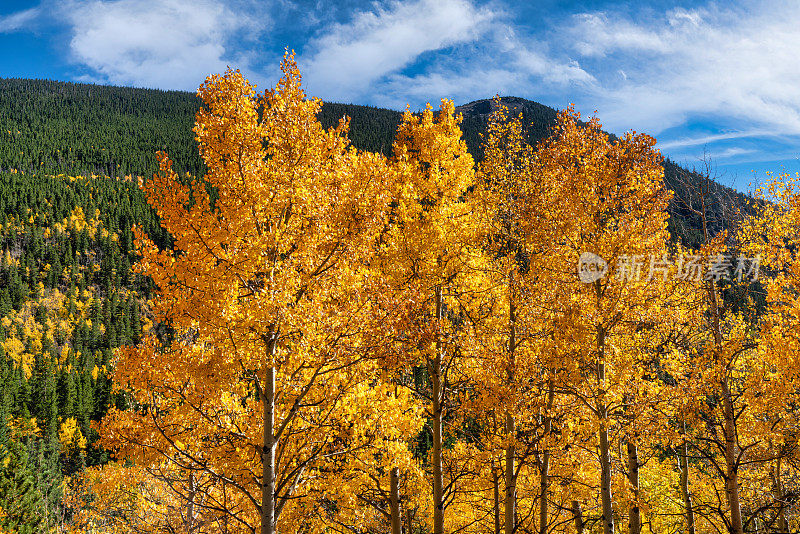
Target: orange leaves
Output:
[(270, 273), (433, 230), (351, 278)]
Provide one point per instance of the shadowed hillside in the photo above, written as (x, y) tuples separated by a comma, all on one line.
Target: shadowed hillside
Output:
[(72, 128)]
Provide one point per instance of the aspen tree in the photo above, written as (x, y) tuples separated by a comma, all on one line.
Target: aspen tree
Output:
[(614, 206), (512, 201), (721, 355), (429, 247), (771, 234), (265, 296)]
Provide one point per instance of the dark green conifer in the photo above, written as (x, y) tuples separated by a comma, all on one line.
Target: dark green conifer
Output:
[(19, 498)]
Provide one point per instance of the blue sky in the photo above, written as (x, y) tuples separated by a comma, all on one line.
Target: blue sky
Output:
[(721, 78)]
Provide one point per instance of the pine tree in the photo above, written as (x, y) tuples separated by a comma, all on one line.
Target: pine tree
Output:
[(20, 501)]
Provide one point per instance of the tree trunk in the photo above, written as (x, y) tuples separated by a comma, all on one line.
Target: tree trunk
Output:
[(577, 515), (687, 497), (511, 488), (635, 519), (437, 394), (394, 500), (731, 460), (544, 472), (409, 518), (543, 486), (511, 426), (190, 512), (605, 453), (496, 483), (731, 464), (268, 451), (777, 491), (605, 480)]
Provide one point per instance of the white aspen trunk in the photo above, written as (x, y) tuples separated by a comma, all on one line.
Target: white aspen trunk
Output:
[(437, 394), (577, 515), (732, 479), (394, 500), (635, 518), (605, 453), (777, 484), (496, 484), (268, 453), (731, 467), (510, 479), (605, 480), (511, 426), (544, 473), (687, 496), (190, 513)]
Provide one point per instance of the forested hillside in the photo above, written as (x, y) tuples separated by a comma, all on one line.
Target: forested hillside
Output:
[(68, 298), (57, 127), (71, 158)]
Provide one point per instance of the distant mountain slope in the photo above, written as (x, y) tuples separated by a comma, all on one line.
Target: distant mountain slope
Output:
[(81, 128), (73, 128), (538, 118)]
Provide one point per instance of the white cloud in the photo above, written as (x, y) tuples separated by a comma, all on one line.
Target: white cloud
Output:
[(18, 21), (534, 63), (514, 70), (346, 58), (461, 86), (651, 71), (717, 60), (706, 139), (455, 50), (169, 44), (733, 151), (595, 34), (681, 16)]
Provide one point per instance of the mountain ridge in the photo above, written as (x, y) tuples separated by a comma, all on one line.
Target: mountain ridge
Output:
[(77, 128)]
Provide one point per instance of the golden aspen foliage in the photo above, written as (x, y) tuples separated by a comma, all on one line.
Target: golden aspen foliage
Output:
[(266, 298), (611, 203), (427, 253), (432, 231), (341, 342), (513, 342), (70, 435), (771, 387)]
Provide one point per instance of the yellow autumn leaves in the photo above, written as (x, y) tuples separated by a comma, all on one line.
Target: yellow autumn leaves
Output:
[(348, 341)]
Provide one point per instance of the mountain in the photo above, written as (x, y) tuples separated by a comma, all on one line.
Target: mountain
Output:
[(537, 117), (373, 129), (74, 128)]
